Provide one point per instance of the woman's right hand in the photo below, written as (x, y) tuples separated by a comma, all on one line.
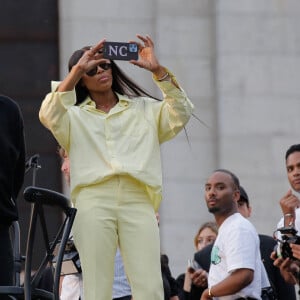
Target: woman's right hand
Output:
[(199, 278), (91, 57)]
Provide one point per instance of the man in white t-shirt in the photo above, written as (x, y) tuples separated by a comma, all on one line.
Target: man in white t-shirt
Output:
[(235, 271)]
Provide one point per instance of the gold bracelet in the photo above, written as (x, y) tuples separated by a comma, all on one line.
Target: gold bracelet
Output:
[(163, 77), (210, 293)]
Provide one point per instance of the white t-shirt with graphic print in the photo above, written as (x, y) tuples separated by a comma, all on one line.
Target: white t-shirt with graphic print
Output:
[(236, 247)]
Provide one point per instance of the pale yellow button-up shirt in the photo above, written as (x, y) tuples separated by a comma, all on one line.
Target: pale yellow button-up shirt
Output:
[(125, 141)]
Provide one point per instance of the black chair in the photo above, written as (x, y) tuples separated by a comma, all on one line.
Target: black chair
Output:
[(18, 258), (40, 199)]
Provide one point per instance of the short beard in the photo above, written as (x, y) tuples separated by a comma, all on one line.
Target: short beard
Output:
[(213, 209)]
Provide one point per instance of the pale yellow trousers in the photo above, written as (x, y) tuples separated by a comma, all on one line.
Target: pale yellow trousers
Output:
[(118, 211)]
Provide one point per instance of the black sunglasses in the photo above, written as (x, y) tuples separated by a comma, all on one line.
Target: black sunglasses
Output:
[(104, 66)]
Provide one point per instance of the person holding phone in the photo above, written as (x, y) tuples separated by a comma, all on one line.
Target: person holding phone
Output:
[(112, 130), (190, 290)]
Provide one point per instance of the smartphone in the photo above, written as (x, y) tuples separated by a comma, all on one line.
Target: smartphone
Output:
[(193, 266), (120, 51)]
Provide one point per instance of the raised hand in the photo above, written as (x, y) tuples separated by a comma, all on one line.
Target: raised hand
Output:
[(91, 57), (289, 203), (147, 58)]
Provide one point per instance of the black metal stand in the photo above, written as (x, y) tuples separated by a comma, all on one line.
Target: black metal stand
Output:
[(40, 199)]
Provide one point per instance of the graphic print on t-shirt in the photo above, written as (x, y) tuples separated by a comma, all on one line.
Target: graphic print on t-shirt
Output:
[(215, 258)]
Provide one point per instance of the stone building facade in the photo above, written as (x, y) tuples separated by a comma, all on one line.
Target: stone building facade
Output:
[(239, 62)]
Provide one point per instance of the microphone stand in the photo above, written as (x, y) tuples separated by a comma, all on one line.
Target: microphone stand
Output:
[(33, 163)]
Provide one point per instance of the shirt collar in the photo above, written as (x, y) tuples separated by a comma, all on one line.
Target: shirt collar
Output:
[(123, 101)]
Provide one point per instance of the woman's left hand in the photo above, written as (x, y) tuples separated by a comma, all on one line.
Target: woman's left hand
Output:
[(147, 58)]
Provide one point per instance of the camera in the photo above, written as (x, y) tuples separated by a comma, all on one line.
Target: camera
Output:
[(288, 236)]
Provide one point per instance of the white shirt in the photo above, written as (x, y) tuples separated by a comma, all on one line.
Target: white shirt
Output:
[(124, 141), (121, 286), (72, 287), (236, 247)]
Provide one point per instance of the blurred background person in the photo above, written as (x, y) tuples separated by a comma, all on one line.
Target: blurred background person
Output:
[(206, 235), (282, 290), (290, 203), (12, 170)]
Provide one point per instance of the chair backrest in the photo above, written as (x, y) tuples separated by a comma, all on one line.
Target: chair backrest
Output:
[(40, 199), (18, 258)]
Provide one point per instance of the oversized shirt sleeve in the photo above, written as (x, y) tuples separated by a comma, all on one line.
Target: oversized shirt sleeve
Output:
[(54, 113), (171, 114), (175, 110)]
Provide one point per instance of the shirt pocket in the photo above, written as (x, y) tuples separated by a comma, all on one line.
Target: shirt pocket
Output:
[(135, 123)]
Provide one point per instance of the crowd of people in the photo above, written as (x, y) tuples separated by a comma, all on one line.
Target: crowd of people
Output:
[(276, 280), (110, 131)]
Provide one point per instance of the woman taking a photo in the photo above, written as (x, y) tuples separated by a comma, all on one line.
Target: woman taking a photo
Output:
[(112, 130)]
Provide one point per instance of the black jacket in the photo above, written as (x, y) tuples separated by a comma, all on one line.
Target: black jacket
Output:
[(283, 290), (170, 284), (12, 158)]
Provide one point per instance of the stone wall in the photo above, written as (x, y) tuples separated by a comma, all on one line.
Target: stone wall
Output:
[(238, 61)]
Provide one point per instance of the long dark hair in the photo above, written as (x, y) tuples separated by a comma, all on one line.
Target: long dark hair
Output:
[(121, 83)]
